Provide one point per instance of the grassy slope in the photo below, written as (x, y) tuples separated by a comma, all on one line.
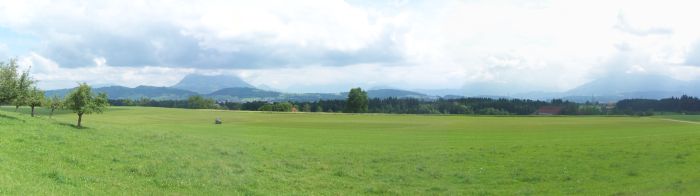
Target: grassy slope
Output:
[(157, 151)]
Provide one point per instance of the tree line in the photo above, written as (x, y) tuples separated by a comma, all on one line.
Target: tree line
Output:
[(18, 88), (684, 104), (357, 102)]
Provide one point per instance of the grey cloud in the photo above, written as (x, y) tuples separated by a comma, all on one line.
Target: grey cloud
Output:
[(624, 26), (156, 45), (164, 45)]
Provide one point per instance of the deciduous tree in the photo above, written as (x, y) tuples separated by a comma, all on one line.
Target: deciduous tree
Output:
[(82, 101), (357, 101), (8, 81), (23, 89), (199, 102)]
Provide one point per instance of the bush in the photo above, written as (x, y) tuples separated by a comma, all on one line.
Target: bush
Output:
[(493, 111), (199, 102)]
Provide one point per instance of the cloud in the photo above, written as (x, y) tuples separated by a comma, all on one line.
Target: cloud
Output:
[(53, 76), (336, 79), (330, 45), (164, 45), (215, 35), (693, 56), (642, 59), (624, 26), (155, 45)]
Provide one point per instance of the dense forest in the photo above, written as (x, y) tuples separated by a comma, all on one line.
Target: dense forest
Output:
[(387, 105), (684, 104), (481, 106)]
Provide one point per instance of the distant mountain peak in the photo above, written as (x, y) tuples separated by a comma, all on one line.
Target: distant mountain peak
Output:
[(206, 84)]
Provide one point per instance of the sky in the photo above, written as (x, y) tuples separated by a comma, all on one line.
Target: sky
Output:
[(333, 45)]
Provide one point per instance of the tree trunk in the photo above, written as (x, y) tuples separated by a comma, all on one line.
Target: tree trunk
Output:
[(51, 114), (16, 108), (80, 118), (32, 111)]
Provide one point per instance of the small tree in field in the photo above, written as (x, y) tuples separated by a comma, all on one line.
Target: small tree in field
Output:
[(82, 101), (34, 98), (53, 103)]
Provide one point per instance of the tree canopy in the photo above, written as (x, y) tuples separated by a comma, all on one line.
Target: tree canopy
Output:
[(8, 81), (357, 101), (82, 101), (199, 102), (18, 88), (23, 89)]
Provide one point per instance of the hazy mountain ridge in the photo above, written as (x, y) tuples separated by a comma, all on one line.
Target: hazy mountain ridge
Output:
[(632, 83), (606, 89), (632, 86), (121, 92), (236, 94)]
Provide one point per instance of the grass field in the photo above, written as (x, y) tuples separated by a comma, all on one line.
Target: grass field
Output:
[(174, 151), (690, 118)]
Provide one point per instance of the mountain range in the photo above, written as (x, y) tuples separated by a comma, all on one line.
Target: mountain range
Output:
[(231, 88), (627, 86), (604, 89)]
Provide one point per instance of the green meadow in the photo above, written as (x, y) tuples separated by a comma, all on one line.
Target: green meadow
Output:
[(144, 151)]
